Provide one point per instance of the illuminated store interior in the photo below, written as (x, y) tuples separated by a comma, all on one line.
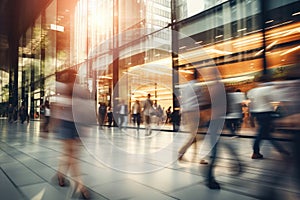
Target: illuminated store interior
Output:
[(127, 49)]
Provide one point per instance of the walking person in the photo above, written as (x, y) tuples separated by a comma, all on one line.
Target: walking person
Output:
[(262, 109), (47, 114), (15, 114), (147, 110), (23, 113), (234, 113), (136, 114), (101, 114), (159, 114), (109, 116), (10, 113), (123, 112), (67, 131), (168, 115), (192, 102)]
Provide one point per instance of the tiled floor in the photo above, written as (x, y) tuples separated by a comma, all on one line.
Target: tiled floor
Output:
[(122, 164)]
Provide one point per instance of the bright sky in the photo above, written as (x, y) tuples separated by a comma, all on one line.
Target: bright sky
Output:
[(195, 6)]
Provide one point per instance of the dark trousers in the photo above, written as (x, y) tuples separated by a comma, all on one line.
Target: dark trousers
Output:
[(264, 121), (214, 140), (233, 125), (101, 119), (137, 119), (110, 119)]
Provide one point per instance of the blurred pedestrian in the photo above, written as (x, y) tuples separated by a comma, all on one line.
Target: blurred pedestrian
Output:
[(218, 111), (191, 104), (168, 115), (234, 115), (47, 114), (101, 114), (10, 112), (123, 113), (136, 114), (67, 130), (176, 119), (263, 110), (23, 113), (148, 112), (159, 114), (15, 114), (109, 116)]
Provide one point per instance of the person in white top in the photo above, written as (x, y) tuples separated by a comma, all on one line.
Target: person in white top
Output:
[(47, 115), (262, 109), (234, 113), (123, 111), (192, 99), (136, 114), (147, 109)]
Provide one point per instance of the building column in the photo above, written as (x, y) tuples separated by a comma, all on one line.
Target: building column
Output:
[(175, 49), (263, 27), (115, 97), (13, 71)]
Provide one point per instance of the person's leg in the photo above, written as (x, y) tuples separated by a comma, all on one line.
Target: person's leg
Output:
[(214, 133), (188, 143), (229, 125), (192, 119), (101, 119), (75, 169), (134, 116), (256, 144), (211, 182), (63, 163), (121, 121), (263, 121), (110, 119), (147, 124), (138, 121)]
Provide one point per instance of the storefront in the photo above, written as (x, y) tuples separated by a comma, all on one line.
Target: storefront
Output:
[(125, 51)]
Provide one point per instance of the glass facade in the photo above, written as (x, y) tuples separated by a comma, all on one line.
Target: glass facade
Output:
[(125, 49)]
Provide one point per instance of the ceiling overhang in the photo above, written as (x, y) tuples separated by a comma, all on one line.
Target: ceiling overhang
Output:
[(15, 17)]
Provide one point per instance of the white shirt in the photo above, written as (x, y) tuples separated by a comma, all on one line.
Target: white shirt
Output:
[(234, 108), (261, 98), (47, 112), (148, 107)]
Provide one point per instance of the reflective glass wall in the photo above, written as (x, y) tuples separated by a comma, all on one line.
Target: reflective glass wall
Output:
[(243, 40), (126, 49)]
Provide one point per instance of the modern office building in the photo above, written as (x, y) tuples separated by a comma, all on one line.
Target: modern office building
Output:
[(125, 49)]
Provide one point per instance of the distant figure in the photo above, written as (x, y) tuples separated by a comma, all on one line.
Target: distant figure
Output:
[(147, 109), (159, 114), (47, 114), (15, 114), (23, 113), (123, 112), (168, 115), (10, 112), (101, 113), (109, 116), (234, 115), (176, 119), (136, 114)]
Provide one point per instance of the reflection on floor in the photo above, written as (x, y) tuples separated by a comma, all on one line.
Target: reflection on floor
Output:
[(125, 164)]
